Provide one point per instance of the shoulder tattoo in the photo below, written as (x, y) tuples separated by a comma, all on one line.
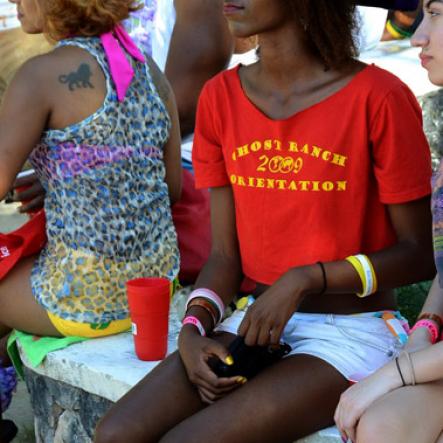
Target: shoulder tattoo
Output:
[(78, 79)]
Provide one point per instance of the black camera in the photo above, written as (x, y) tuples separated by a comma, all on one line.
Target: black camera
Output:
[(248, 360)]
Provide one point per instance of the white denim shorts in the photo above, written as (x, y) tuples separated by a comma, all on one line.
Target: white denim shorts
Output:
[(356, 345)]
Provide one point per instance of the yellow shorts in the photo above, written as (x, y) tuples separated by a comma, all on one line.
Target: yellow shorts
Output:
[(89, 330)]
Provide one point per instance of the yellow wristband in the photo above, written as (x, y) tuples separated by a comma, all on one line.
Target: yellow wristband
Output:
[(360, 271)]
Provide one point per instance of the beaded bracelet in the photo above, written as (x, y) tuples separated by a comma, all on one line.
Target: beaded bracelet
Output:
[(430, 316), (430, 326), (191, 320)]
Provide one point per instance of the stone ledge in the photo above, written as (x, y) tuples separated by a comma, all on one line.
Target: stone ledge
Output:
[(90, 376)]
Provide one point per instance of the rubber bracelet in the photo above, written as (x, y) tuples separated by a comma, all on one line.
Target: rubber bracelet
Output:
[(207, 306), (369, 274), (361, 273), (208, 295), (191, 320), (430, 326)]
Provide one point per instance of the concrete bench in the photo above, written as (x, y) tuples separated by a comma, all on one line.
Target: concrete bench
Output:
[(74, 387)]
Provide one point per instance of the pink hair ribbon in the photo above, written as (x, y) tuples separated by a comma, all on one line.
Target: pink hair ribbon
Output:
[(121, 69)]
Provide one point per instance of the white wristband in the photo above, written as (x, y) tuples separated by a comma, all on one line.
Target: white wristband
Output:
[(364, 261)]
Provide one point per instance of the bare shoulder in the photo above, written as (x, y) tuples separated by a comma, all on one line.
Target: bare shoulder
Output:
[(204, 11), (47, 72), (31, 79), (160, 81)]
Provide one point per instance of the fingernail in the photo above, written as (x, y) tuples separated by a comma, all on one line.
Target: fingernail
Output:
[(344, 439), (242, 380), (229, 360)]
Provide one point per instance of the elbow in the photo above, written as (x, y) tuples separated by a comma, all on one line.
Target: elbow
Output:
[(424, 262), (175, 194), (187, 120)]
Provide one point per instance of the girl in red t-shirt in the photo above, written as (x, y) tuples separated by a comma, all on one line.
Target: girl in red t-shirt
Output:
[(319, 174)]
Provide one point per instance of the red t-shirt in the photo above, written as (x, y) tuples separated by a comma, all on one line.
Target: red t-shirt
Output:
[(313, 186)]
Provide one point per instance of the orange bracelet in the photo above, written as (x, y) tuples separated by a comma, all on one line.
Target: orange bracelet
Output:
[(207, 306)]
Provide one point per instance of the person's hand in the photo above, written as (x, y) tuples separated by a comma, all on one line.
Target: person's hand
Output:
[(195, 352), (29, 192), (357, 399), (266, 318), (418, 340)]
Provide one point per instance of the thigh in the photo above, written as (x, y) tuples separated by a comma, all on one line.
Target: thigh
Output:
[(162, 399), (406, 415), (292, 399), (18, 307)]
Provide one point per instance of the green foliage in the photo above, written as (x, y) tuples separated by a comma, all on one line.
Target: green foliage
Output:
[(411, 298)]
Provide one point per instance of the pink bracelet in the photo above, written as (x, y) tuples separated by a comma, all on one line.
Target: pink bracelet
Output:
[(191, 320), (430, 325), (208, 295)]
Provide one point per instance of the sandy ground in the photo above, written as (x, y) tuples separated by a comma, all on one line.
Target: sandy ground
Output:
[(20, 411)]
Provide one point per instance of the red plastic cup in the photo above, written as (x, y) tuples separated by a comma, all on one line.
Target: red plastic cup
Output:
[(148, 300)]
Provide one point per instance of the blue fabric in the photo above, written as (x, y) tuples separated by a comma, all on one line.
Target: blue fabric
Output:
[(187, 165)]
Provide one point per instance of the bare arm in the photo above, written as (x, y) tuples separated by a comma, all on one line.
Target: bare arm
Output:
[(221, 273), (201, 46), (23, 116), (421, 337), (172, 157)]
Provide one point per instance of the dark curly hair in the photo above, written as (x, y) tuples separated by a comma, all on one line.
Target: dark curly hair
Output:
[(330, 27), (86, 18)]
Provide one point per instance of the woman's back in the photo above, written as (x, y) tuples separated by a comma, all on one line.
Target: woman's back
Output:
[(107, 204)]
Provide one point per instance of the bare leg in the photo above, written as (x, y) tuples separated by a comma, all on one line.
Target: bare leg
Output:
[(406, 415), (294, 398), (18, 307)]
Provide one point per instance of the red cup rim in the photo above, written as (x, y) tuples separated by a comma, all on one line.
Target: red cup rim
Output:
[(148, 282)]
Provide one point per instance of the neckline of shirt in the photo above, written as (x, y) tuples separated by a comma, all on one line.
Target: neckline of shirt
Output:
[(325, 100)]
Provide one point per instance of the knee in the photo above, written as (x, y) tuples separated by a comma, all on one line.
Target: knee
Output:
[(118, 429), (375, 427), (110, 431)]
